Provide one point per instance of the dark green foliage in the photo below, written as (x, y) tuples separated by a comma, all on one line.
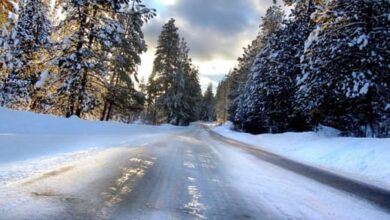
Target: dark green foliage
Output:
[(30, 36), (328, 64), (174, 93), (208, 105), (346, 74)]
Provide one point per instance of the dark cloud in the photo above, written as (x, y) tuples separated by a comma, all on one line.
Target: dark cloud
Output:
[(225, 16), (212, 28), (208, 43), (152, 31)]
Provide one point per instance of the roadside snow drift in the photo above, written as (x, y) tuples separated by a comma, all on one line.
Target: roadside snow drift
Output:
[(364, 159), (37, 141)]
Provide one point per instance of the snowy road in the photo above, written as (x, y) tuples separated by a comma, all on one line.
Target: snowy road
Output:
[(190, 175)]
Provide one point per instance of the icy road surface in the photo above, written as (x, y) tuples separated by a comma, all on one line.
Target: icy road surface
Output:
[(188, 175)]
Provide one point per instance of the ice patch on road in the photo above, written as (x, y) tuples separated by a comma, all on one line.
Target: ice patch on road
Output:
[(189, 165), (195, 207), (125, 183)]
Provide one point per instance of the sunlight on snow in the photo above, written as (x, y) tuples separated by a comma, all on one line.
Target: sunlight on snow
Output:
[(195, 207), (126, 182)]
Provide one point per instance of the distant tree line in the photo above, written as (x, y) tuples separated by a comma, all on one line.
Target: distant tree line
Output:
[(328, 63), (84, 63)]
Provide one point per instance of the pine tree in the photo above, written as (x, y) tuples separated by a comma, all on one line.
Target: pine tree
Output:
[(238, 77), (194, 94), (250, 114), (172, 80), (208, 105), (7, 19), (122, 95), (345, 79), (93, 30), (30, 35), (222, 101), (165, 70), (174, 100), (6, 7), (279, 68), (182, 98)]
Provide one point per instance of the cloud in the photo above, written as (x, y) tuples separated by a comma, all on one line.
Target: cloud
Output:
[(224, 16), (216, 31), (166, 2)]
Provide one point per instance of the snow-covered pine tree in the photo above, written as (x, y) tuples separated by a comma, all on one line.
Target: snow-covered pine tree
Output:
[(346, 75), (7, 19), (25, 54), (194, 94), (173, 89), (183, 97), (6, 7), (88, 31), (208, 105), (153, 91), (239, 75), (174, 100), (165, 71), (122, 97), (222, 101), (280, 68), (250, 115)]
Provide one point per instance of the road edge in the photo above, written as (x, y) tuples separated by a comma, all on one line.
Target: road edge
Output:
[(371, 193)]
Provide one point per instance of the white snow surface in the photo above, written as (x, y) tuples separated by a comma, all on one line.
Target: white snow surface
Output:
[(43, 79), (31, 143), (313, 37), (85, 151), (363, 159), (294, 197)]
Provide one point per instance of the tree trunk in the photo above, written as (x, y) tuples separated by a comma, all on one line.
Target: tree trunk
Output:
[(84, 77), (72, 99), (70, 109), (109, 112)]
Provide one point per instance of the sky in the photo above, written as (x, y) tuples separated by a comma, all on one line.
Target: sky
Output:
[(216, 32)]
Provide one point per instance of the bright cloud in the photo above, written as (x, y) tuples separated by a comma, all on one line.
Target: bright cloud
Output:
[(216, 32), (166, 2)]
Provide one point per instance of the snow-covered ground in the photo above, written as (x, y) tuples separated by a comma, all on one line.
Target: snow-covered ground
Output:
[(31, 143), (54, 167), (292, 196), (364, 159)]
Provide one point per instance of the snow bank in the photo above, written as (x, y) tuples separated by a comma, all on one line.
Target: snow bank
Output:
[(27, 136), (365, 159), (292, 196), (15, 122)]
